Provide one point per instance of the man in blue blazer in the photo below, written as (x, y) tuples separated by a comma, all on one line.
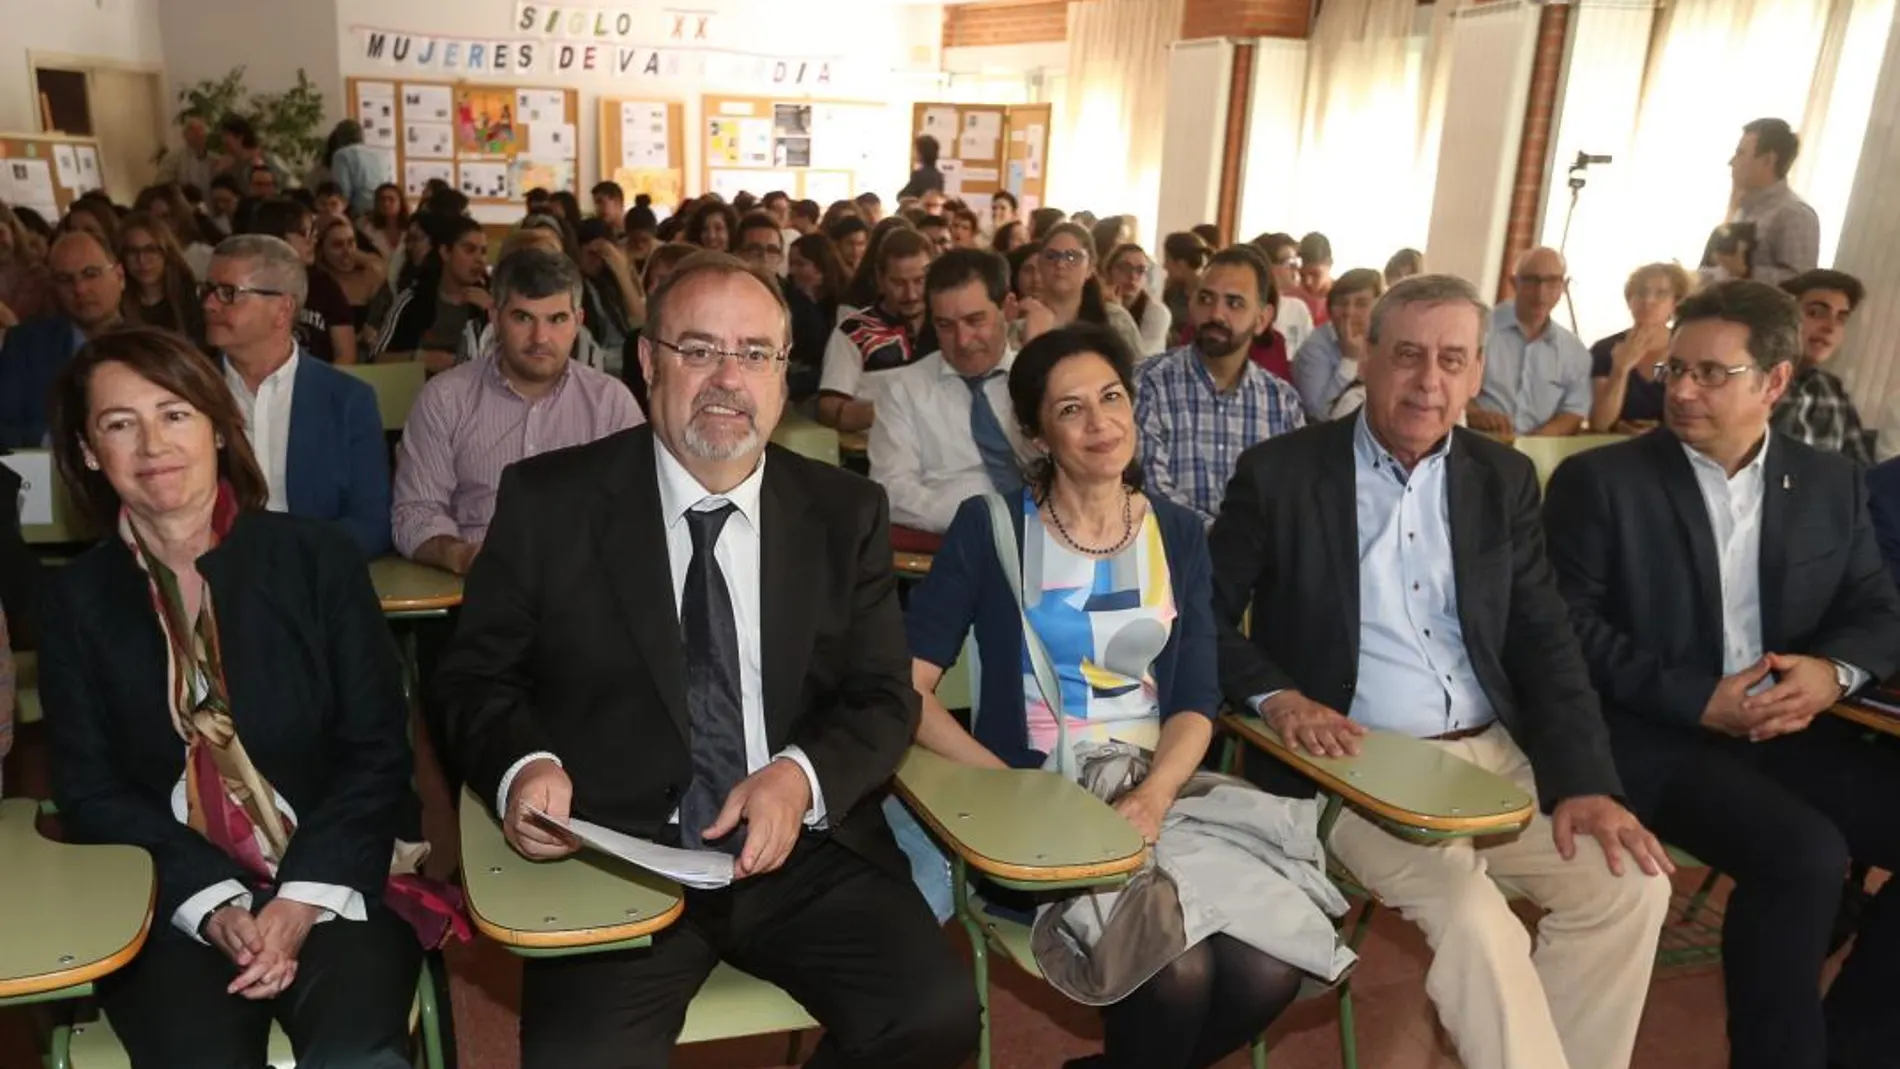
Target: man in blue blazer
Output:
[(88, 283), (315, 430)]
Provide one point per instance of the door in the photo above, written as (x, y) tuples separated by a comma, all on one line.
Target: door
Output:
[(127, 120)]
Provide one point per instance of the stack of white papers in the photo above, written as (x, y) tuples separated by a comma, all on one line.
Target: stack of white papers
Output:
[(702, 870)]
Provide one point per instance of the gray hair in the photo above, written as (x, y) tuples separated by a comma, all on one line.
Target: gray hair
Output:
[(275, 265), (1429, 289), (1772, 317), (535, 274), (712, 263)]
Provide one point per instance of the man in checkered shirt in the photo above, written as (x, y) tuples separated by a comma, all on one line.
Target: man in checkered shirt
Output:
[(1200, 406), (1816, 409)]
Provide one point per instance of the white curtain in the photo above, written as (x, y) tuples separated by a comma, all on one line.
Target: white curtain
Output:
[(1721, 63), (1366, 160), (1106, 155), (1870, 357)]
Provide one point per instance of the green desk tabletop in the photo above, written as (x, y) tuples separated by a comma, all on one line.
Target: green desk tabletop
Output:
[(807, 437), (405, 586), (1020, 825), (1405, 781), (68, 914), (582, 901)]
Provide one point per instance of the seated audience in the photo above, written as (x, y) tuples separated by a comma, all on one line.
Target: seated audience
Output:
[(804, 217), (1327, 366), (1457, 636), (1536, 373), (1816, 408), (1201, 406), (566, 208), (1115, 590), (613, 303), (1728, 590), (168, 205), (1003, 211), (442, 312), (944, 430), (360, 275), (1292, 317), (1316, 274), (89, 289), (387, 222), (870, 207), (1105, 237), (1624, 378), (195, 164), (610, 207), (642, 233), (222, 201), (892, 332), (1127, 280), (324, 320), (95, 216), (159, 288), (713, 225), (1045, 219), (693, 504), (315, 430), (522, 397), (1183, 257), (327, 201), (1009, 237), (761, 244), (1069, 289), (262, 184), (1025, 272), (26, 286), (222, 693), (1210, 235), (852, 236), (1404, 264)]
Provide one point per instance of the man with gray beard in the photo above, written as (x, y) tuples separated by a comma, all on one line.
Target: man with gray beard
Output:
[(686, 635)]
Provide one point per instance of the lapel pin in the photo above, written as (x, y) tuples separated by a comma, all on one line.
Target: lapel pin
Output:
[(1787, 482)]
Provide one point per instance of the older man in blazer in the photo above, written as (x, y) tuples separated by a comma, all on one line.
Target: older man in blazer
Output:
[(1395, 568), (680, 633), (1728, 589)]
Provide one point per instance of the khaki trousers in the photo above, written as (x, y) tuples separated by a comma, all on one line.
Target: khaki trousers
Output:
[(1571, 1001)]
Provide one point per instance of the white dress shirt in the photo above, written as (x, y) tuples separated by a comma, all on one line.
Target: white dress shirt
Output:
[(737, 553), (921, 448), (1294, 321), (1734, 504), (267, 422)]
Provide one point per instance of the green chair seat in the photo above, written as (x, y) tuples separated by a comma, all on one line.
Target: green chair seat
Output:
[(732, 1004)]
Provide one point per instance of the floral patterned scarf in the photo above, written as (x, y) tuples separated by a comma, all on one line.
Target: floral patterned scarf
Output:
[(228, 800)]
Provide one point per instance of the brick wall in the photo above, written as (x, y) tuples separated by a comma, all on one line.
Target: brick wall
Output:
[(1004, 23), (1527, 193), (1244, 18)]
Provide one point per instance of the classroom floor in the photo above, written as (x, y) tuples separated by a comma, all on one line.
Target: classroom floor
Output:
[(1035, 1027)]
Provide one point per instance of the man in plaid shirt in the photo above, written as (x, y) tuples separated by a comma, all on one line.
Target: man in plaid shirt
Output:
[(1200, 406), (1816, 409)]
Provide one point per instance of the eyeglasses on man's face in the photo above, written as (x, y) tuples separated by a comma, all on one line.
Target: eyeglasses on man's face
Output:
[(226, 293), (1707, 374), (705, 356)]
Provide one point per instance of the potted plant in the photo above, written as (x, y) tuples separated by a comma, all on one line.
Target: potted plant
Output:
[(288, 123)]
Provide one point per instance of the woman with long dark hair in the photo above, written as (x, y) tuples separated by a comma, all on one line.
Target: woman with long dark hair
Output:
[(167, 204), (1126, 274), (713, 225), (387, 220), (1072, 292), (160, 290)]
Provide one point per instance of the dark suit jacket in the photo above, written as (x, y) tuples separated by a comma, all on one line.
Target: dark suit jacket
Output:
[(1883, 507), (337, 466), (569, 641), (20, 573), (315, 687), (1287, 543), (32, 358), (1635, 557)]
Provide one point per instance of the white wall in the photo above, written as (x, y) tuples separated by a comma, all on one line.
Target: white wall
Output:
[(122, 30), (891, 53), (206, 38)]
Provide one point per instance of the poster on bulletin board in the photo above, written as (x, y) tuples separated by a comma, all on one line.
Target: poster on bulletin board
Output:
[(808, 148)]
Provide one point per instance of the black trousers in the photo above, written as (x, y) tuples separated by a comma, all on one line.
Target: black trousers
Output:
[(857, 947), (1784, 818), (347, 1009)]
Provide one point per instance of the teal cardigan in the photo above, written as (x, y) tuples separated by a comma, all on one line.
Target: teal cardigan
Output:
[(966, 590)]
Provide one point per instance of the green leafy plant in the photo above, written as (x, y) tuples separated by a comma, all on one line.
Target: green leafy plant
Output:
[(289, 124)]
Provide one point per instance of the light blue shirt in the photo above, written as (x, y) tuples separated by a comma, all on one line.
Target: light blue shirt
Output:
[(1533, 380), (1414, 676), (358, 170), (1320, 372)]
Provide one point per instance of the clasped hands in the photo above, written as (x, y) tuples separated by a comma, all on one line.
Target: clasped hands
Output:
[(264, 946), (772, 803), (1803, 689), (1312, 728)]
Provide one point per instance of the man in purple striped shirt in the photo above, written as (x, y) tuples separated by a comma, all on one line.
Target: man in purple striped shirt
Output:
[(521, 397)]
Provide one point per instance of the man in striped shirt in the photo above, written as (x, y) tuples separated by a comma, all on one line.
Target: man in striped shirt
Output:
[(1200, 406), (521, 397)]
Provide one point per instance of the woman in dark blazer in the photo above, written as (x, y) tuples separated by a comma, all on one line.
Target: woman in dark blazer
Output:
[(221, 691), (1122, 600)]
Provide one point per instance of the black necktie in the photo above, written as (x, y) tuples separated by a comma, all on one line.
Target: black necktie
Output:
[(712, 684)]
